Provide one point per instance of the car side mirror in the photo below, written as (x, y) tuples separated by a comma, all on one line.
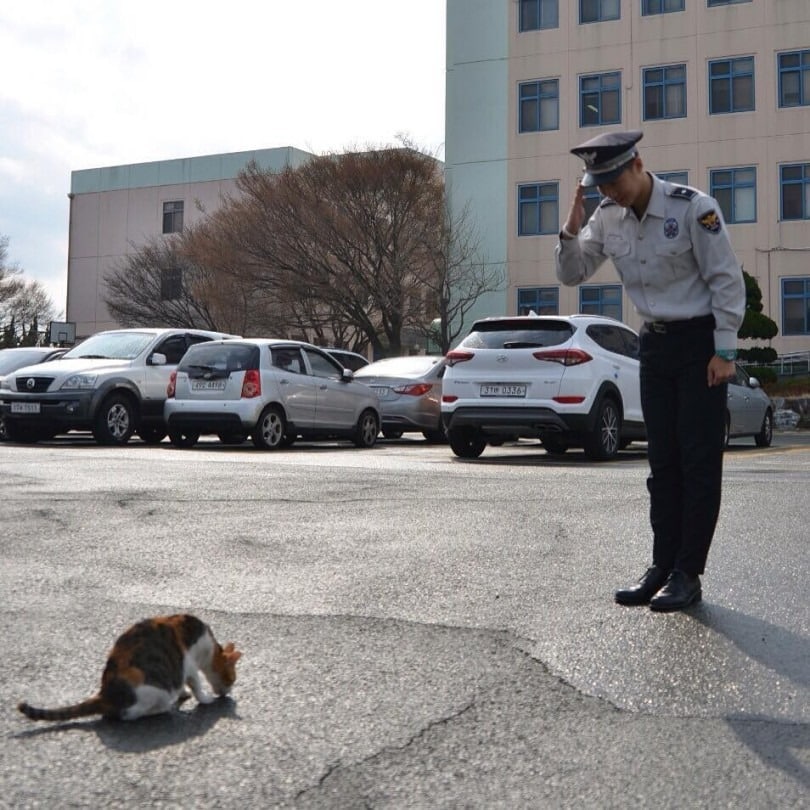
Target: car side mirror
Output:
[(157, 359), (753, 382), (347, 375)]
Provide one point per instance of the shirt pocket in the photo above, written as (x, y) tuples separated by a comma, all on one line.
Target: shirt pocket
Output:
[(616, 247), (676, 256)]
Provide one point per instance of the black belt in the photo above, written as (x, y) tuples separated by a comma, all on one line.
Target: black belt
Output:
[(673, 327)]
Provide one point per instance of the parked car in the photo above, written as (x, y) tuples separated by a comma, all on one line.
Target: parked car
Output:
[(410, 392), (571, 381), (274, 391), (113, 384), (350, 360), (749, 411), (16, 358)]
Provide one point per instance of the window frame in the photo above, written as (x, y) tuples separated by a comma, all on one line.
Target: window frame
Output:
[(600, 12), (612, 76), (540, 201), (647, 12), (539, 97), (539, 15), (734, 186), (802, 296), (171, 283), (546, 300), (803, 182), (803, 71), (731, 76), (665, 84), (717, 3), (601, 304), (173, 213), (675, 177)]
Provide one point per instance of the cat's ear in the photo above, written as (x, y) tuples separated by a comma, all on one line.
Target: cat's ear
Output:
[(234, 656), (228, 648)]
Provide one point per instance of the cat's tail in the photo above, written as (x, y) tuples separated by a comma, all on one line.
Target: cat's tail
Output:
[(94, 705)]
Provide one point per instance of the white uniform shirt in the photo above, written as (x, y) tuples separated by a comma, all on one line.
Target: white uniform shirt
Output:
[(677, 263)]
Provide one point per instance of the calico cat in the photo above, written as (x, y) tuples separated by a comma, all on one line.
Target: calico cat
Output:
[(149, 668)]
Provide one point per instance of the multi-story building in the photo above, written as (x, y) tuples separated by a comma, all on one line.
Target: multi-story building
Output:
[(721, 89), (115, 209)]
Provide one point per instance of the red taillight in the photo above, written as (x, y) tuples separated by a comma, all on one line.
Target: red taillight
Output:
[(413, 390), (251, 384), (569, 400), (449, 398), (172, 386), (457, 356), (565, 357)]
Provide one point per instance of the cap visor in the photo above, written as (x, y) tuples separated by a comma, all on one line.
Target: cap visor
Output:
[(590, 179)]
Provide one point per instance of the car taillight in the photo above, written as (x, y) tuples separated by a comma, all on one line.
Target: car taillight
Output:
[(449, 398), (565, 357), (172, 386), (456, 356), (569, 400), (413, 390), (251, 384)]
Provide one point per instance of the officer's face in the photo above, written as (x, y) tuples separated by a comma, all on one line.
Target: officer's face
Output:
[(628, 187)]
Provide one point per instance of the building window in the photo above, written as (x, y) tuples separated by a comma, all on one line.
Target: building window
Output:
[(538, 209), (539, 300), (649, 7), (173, 216), (736, 191), (536, 15), (680, 178), (664, 92), (591, 199), (604, 299), (794, 184), (794, 79), (796, 306), (731, 85), (539, 104), (600, 99), (711, 3), (598, 10), (171, 283)]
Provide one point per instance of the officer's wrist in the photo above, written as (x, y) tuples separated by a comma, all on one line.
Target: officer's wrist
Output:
[(726, 354)]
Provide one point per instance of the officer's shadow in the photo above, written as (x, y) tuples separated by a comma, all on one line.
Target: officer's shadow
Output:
[(148, 733), (787, 654)]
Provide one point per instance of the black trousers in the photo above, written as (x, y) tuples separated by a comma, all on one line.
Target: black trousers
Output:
[(685, 421)]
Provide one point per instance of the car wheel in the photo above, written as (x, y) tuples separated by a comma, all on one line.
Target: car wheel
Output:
[(366, 430), (392, 434), (115, 420), (21, 434), (231, 438), (727, 430), (466, 442), (183, 438), (765, 435), (269, 431), (289, 439), (151, 435), (554, 445), (602, 443), (3, 431), (435, 436)]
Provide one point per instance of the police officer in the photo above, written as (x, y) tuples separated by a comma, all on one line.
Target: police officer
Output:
[(671, 249)]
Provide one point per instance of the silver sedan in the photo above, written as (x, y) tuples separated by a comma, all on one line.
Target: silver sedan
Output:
[(749, 411)]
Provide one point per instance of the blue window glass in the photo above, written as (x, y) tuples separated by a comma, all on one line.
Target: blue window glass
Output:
[(649, 7), (538, 209), (794, 79), (731, 85), (681, 178), (602, 299), (736, 191), (796, 306), (173, 216), (794, 187), (539, 300), (600, 99), (591, 198), (598, 10), (711, 3), (539, 104), (536, 15), (664, 92)]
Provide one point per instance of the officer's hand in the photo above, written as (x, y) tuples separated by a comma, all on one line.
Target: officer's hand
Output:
[(576, 214), (720, 371)]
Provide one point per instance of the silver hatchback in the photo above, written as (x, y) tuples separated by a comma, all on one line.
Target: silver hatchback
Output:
[(275, 391)]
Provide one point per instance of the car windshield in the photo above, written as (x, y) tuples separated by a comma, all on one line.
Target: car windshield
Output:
[(414, 366), (514, 334), (220, 357), (112, 346), (12, 360)]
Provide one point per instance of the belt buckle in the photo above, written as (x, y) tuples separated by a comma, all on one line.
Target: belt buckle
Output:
[(658, 327)]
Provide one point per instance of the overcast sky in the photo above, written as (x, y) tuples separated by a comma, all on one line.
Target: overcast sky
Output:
[(89, 83)]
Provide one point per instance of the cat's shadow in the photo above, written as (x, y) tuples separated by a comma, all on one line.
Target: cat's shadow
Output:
[(149, 733)]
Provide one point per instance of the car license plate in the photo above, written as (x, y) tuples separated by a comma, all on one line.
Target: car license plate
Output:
[(25, 407), (379, 390), (208, 385), (503, 390)]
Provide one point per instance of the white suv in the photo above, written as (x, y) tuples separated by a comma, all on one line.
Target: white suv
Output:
[(113, 383), (568, 380)]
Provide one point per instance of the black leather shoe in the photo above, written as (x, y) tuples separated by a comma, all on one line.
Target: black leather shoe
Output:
[(679, 591), (647, 587)]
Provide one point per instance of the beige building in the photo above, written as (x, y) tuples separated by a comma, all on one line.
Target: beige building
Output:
[(721, 89), (115, 208)]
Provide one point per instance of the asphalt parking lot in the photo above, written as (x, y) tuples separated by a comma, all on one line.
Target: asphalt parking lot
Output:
[(418, 631)]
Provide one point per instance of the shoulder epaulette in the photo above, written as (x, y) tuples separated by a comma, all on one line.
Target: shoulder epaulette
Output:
[(606, 201), (682, 192)]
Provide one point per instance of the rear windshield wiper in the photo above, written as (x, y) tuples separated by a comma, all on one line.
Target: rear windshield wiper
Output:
[(522, 344), (94, 357)]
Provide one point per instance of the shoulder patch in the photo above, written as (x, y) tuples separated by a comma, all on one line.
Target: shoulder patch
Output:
[(606, 201), (710, 222), (682, 192)]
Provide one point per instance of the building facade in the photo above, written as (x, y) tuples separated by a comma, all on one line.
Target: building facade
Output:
[(117, 208), (721, 89)]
